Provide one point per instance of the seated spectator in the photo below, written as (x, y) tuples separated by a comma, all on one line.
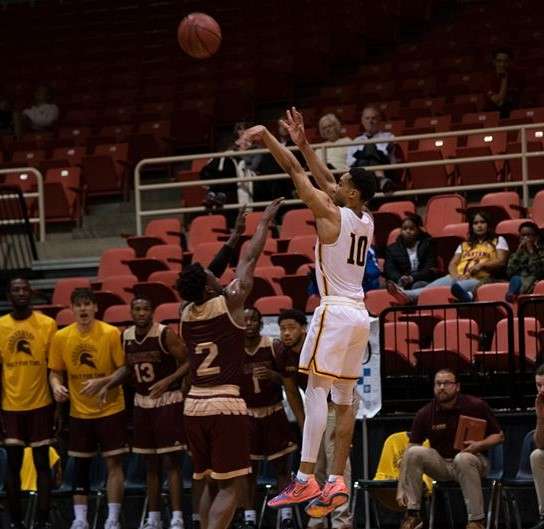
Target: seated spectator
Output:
[(10, 120), (371, 279), (382, 153), (410, 261), (331, 131), (526, 264), (44, 113), (437, 422), (476, 260), (537, 455), (504, 85)]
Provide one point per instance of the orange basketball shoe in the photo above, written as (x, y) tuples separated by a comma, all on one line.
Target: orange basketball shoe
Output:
[(296, 492), (333, 495)]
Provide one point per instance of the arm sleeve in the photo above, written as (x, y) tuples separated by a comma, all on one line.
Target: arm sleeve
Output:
[(117, 353), (55, 361), (221, 261)]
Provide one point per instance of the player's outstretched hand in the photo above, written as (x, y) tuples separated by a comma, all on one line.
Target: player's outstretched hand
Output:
[(272, 209), (254, 134), (240, 224), (294, 123)]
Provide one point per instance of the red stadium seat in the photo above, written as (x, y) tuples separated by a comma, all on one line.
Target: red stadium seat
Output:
[(487, 119), (272, 305), (206, 228), (401, 341), (168, 277), (156, 291), (273, 274), (509, 229), (119, 154), (75, 135), (63, 195), (73, 155), (118, 315), (101, 176), (459, 229), (30, 158), (270, 248), (297, 222), (535, 165), (205, 252), (169, 314), (508, 200), (171, 254), (113, 262), (61, 295), (312, 303), (443, 210), (393, 236), (64, 318), (384, 223), (491, 292), (299, 252), (378, 300), (400, 207), (439, 123), (120, 285), (455, 343), (537, 210), (159, 231)]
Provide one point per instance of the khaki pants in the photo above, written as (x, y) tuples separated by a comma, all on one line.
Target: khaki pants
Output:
[(341, 517), (537, 466), (467, 469)]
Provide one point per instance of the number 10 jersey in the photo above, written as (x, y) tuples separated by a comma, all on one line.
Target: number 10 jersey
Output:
[(340, 266)]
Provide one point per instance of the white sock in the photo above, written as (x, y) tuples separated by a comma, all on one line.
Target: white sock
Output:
[(333, 478), (114, 509), (286, 513), (195, 517), (177, 515), (304, 477), (80, 512), (154, 516), (250, 516)]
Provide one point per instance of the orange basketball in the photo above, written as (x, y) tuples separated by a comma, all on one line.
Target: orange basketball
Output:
[(199, 35)]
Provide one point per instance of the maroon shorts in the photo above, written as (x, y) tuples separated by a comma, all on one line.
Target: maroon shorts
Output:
[(270, 437), (107, 434), (32, 427), (219, 442), (158, 430)]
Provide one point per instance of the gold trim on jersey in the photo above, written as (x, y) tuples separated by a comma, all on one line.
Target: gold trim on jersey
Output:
[(264, 411), (317, 339), (169, 397), (323, 276), (212, 308), (314, 369), (164, 450), (214, 406), (265, 341), (222, 475)]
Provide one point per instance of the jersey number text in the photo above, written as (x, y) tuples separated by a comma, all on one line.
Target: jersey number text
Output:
[(211, 352), (357, 250)]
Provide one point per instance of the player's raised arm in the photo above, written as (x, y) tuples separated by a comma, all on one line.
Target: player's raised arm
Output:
[(294, 123), (319, 202), (239, 290)]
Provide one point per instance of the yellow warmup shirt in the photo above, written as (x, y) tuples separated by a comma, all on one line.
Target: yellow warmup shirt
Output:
[(84, 356), (480, 252), (24, 351), (28, 471)]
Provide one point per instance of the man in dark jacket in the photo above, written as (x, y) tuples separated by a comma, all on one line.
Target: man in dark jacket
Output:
[(411, 262)]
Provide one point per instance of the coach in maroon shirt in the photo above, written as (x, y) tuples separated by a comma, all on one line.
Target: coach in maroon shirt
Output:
[(437, 422)]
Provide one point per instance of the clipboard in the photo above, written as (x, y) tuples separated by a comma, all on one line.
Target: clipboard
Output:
[(469, 429)]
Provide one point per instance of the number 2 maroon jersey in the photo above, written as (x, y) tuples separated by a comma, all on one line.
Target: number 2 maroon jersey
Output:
[(256, 392), (215, 343), (148, 358)]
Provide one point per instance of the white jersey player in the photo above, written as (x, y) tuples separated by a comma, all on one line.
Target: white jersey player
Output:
[(337, 338)]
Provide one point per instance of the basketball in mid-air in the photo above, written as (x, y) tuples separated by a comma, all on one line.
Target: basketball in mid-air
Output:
[(199, 35)]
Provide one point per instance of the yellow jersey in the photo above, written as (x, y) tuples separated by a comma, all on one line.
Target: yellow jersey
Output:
[(84, 356), (480, 252), (28, 471), (24, 351)]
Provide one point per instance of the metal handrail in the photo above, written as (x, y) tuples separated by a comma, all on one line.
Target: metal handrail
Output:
[(40, 219), (523, 155)]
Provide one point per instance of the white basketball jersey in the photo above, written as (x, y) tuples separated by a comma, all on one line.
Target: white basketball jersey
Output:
[(340, 266)]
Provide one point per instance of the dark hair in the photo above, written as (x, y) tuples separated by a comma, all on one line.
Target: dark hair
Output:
[(255, 310), (364, 181), (489, 236), (529, 224), (504, 50), (415, 218), (142, 298), (82, 294), (191, 283), (540, 370), (447, 370), (17, 278), (293, 314)]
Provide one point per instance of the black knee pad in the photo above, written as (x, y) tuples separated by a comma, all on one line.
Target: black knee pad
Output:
[(81, 484)]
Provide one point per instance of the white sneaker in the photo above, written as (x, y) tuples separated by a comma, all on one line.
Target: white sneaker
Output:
[(152, 525), (112, 524), (79, 524), (176, 523)]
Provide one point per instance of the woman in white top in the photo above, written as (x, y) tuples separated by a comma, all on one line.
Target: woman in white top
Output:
[(330, 129)]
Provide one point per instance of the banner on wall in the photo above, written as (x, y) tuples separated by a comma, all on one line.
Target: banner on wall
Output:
[(369, 386)]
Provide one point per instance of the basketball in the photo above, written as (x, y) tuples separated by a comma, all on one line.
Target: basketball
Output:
[(199, 35)]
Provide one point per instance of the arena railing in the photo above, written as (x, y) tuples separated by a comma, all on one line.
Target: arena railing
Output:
[(531, 331), (38, 194), (524, 155), (418, 340)]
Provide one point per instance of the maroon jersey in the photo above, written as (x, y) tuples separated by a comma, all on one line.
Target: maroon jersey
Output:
[(215, 343), (287, 361), (148, 358), (259, 393)]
